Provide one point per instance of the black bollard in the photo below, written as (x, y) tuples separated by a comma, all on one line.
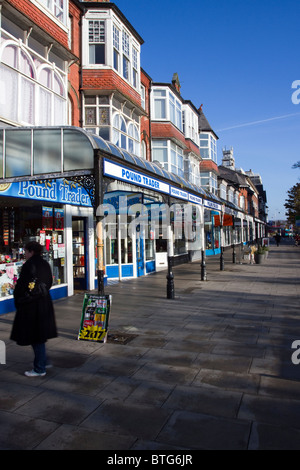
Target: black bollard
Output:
[(170, 280), (222, 259), (233, 254), (203, 267)]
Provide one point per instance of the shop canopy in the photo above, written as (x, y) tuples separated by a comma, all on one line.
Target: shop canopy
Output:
[(57, 152)]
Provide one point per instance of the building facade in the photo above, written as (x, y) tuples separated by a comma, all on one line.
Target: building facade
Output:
[(78, 64)]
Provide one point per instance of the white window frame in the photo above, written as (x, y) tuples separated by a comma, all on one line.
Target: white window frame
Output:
[(59, 9), (208, 146), (171, 105), (33, 113), (96, 39), (169, 155)]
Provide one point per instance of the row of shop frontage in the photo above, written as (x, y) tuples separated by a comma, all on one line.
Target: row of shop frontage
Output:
[(146, 219)]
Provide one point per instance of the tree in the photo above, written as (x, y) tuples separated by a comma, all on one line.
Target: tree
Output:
[(296, 165), (292, 203)]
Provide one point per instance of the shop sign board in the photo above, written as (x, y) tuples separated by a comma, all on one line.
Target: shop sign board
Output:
[(195, 199), (94, 318), (134, 177), (176, 192), (59, 190), (212, 205)]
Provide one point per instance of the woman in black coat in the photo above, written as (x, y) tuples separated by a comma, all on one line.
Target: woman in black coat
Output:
[(34, 322)]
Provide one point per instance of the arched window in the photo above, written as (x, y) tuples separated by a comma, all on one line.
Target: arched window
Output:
[(52, 97), (48, 77), (133, 139), (18, 74), (10, 56), (119, 131), (16, 57), (144, 150)]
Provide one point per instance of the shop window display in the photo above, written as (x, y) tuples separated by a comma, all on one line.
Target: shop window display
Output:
[(21, 224)]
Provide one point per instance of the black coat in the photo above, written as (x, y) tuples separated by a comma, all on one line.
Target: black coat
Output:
[(34, 322)]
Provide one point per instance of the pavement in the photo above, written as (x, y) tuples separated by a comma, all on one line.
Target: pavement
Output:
[(210, 369)]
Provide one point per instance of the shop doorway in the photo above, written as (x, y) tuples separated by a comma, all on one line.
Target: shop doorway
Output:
[(79, 253), (140, 261)]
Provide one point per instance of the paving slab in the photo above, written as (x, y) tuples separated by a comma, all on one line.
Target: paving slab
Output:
[(210, 369)]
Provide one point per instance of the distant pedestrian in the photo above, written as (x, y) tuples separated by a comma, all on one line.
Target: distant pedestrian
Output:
[(277, 238), (34, 322)]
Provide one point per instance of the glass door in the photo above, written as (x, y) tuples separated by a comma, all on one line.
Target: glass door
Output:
[(140, 257), (79, 254)]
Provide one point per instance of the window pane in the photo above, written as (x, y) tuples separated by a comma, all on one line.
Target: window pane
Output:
[(58, 85), (96, 31), (159, 92), (46, 151), (78, 151), (125, 68), (97, 54), (18, 153), (90, 99), (8, 93), (27, 108), (104, 133), (90, 116), (160, 154), (45, 108), (46, 77), (25, 65), (116, 60), (10, 56), (59, 111), (160, 109), (104, 116)]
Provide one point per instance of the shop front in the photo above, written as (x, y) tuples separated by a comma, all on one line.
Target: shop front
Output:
[(54, 213), (48, 194)]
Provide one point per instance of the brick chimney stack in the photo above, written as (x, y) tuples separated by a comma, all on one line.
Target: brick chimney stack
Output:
[(176, 83)]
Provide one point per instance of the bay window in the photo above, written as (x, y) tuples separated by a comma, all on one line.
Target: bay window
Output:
[(111, 45), (209, 181), (208, 146), (167, 107), (105, 116), (169, 155)]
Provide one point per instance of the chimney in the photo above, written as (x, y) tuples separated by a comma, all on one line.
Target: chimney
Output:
[(175, 82)]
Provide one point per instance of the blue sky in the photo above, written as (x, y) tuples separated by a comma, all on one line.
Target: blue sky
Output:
[(239, 59)]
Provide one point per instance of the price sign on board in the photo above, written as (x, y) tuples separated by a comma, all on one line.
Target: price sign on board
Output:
[(94, 319)]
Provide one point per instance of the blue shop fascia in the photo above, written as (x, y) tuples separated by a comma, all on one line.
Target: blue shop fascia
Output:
[(59, 215), (56, 213)]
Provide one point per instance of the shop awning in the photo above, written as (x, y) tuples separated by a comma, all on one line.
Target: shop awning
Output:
[(56, 152)]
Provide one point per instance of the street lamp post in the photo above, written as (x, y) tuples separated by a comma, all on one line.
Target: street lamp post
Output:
[(221, 241), (170, 276), (233, 242), (203, 266), (99, 197)]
